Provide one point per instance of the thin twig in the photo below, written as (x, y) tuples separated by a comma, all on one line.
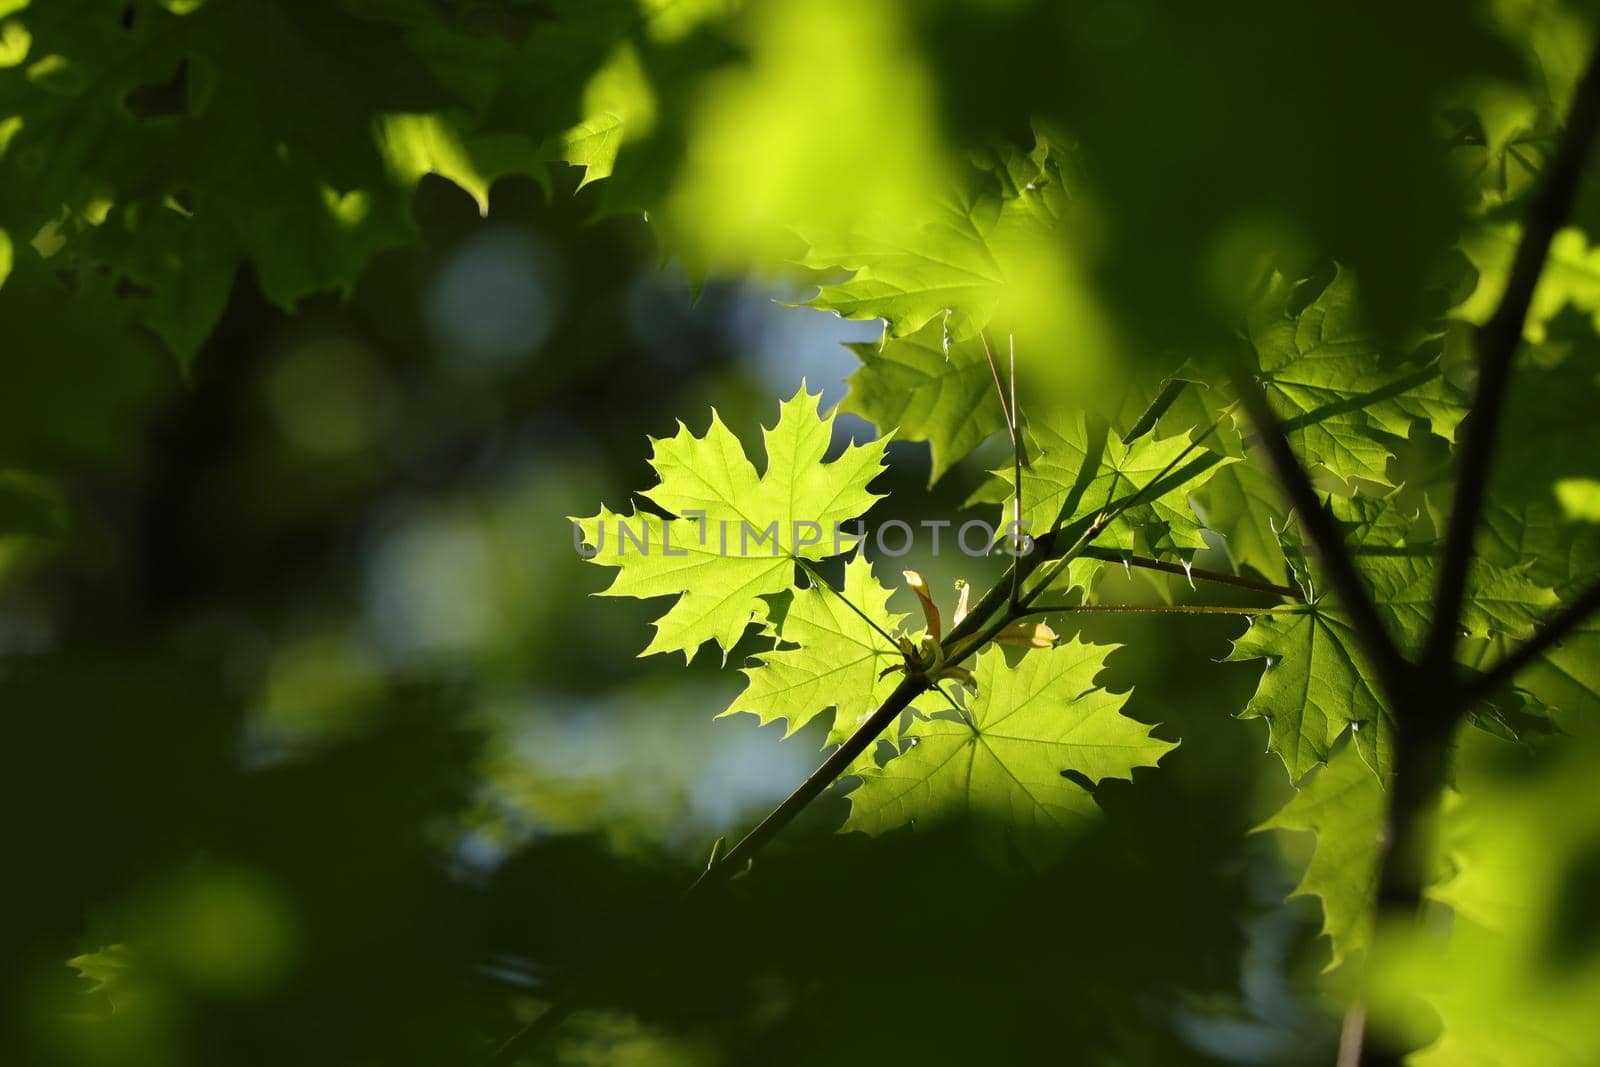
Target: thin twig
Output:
[(999, 389), (1009, 409), (1352, 1034), (1497, 347)]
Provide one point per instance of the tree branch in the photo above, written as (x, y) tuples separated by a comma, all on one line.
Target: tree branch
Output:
[(1325, 536), (1423, 737), (1546, 637), (818, 780), (1497, 348)]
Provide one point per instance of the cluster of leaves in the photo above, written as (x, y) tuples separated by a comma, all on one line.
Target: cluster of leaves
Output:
[(1031, 735), (149, 148), (1351, 410), (1007, 749)]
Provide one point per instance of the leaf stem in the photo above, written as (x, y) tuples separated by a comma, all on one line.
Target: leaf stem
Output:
[(1016, 470), (1158, 609), (999, 389), (1111, 555), (1009, 409), (817, 579)]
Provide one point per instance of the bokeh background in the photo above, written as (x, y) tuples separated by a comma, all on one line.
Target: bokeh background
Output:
[(318, 750)]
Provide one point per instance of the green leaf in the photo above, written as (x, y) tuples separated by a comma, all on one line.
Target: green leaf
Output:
[(1317, 680), (593, 145), (1343, 805), (1078, 468), (733, 535), (1340, 397), (839, 661), (1315, 684), (1566, 678), (1028, 727), (170, 108), (419, 144), (1243, 503), (927, 389), (109, 971), (1403, 572), (165, 149), (952, 272)]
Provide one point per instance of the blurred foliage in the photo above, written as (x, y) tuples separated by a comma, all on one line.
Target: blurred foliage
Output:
[(318, 318)]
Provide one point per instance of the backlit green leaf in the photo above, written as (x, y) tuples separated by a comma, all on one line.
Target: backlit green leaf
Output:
[(838, 662), (928, 388), (1027, 728), (734, 534), (1343, 805)]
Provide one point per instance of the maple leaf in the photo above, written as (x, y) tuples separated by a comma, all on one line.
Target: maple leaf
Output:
[(927, 388), (835, 659), (1078, 468), (1243, 504), (1315, 684), (733, 535), (1565, 679), (953, 271), (168, 144), (1026, 728), (1317, 681), (1343, 805), (1340, 397)]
